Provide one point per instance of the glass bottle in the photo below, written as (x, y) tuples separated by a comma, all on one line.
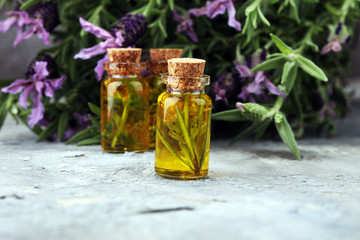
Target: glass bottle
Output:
[(183, 122), (124, 103), (157, 66)]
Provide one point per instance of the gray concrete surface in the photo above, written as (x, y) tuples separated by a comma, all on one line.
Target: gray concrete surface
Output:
[(253, 191)]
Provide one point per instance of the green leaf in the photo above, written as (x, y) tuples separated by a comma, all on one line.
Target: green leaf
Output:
[(5, 104), (29, 4), (262, 17), (269, 64), (251, 112), (94, 121), (207, 139), (50, 129), (252, 7), (286, 133), (162, 28), (254, 19), (311, 68), (171, 4), (289, 75), (63, 122), (95, 109), (89, 141), (173, 152), (295, 11), (2, 2), (86, 133), (185, 132), (281, 45), (186, 110), (234, 115)]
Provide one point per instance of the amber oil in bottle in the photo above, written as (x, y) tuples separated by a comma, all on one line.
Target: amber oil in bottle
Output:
[(124, 103), (158, 65), (183, 122)]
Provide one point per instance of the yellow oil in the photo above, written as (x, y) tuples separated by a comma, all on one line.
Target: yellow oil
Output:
[(156, 87), (124, 114), (183, 135)]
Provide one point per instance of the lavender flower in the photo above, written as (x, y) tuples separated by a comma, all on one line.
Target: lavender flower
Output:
[(335, 40), (258, 81), (125, 33), (185, 25), (225, 87), (220, 93), (51, 66), (212, 9), (37, 86), (40, 20)]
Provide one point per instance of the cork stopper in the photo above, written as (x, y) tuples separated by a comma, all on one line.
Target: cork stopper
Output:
[(124, 61), (159, 58), (164, 54), (128, 55), (186, 74), (186, 67)]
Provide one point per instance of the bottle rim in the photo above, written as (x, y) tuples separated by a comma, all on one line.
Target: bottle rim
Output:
[(204, 80)]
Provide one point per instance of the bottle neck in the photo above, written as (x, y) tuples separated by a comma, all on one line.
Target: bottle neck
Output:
[(181, 91), (158, 67), (123, 69), (181, 85)]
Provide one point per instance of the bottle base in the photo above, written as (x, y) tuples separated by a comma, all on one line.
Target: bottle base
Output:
[(180, 175), (123, 150)]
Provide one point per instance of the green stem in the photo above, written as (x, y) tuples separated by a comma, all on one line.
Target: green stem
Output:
[(207, 139), (186, 111), (275, 109), (124, 117), (200, 116), (168, 146), (187, 139)]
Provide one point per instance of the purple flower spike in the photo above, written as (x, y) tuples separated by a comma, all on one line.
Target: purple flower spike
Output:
[(37, 86), (110, 41), (257, 82), (220, 94), (26, 27), (218, 7), (125, 33), (185, 25), (200, 11)]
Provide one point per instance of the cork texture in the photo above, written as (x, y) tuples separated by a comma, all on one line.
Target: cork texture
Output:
[(124, 61), (186, 67), (124, 55), (159, 58), (164, 54), (188, 73)]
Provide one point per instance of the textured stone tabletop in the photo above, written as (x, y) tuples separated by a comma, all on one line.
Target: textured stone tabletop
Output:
[(253, 191)]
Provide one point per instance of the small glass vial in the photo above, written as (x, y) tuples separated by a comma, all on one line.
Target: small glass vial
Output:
[(157, 66), (124, 103), (183, 122)]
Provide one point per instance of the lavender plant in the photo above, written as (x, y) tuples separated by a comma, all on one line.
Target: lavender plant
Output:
[(276, 64)]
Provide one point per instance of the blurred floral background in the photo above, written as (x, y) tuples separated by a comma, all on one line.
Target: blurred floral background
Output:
[(233, 36)]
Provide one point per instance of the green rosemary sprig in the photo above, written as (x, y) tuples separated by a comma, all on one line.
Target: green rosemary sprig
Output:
[(173, 152)]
